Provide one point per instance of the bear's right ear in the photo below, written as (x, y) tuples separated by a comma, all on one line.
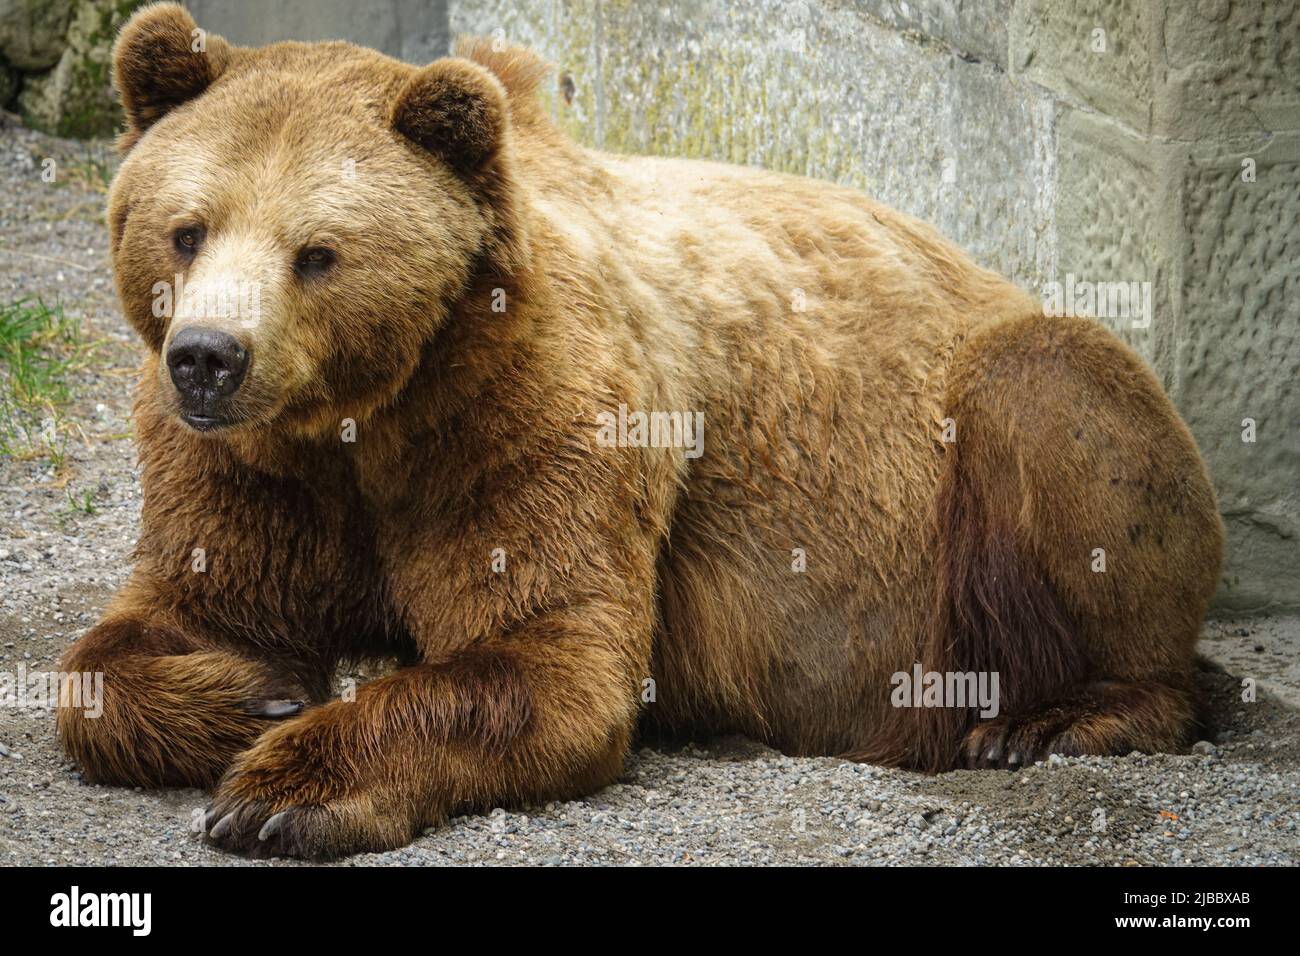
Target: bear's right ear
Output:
[(162, 59), (456, 110)]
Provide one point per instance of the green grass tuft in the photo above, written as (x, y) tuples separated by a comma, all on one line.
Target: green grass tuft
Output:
[(39, 348)]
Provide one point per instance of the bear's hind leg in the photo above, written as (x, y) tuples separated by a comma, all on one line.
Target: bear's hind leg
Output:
[(1080, 544), (1104, 717)]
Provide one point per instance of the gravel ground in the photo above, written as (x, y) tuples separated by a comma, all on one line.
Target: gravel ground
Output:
[(728, 801)]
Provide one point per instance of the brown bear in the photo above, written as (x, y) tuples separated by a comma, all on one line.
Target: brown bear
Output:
[(590, 444)]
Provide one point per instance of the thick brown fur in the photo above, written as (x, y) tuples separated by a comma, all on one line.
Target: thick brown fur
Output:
[(825, 338)]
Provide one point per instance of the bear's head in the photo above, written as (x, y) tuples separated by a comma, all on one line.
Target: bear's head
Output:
[(292, 224)]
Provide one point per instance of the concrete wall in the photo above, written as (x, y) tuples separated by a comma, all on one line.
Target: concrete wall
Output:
[(1180, 163), (1152, 141), (413, 30)]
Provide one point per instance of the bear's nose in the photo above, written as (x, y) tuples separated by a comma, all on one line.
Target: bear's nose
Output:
[(206, 360)]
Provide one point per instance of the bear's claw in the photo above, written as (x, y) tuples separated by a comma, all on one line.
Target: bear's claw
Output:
[(273, 825), (250, 828), (1008, 743), (221, 828), (274, 709)]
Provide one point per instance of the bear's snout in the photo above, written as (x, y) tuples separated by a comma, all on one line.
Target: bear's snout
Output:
[(207, 367)]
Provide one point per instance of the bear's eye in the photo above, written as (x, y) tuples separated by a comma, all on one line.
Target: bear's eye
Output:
[(313, 261), (187, 240)]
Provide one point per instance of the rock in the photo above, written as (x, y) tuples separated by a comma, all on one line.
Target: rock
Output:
[(9, 83), (32, 31), (1204, 747), (75, 98)]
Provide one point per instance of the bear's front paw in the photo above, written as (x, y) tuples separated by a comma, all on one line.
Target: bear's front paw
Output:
[(297, 793), (174, 720)]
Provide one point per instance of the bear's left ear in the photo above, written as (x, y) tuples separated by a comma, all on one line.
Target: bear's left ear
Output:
[(162, 59), (456, 110)]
